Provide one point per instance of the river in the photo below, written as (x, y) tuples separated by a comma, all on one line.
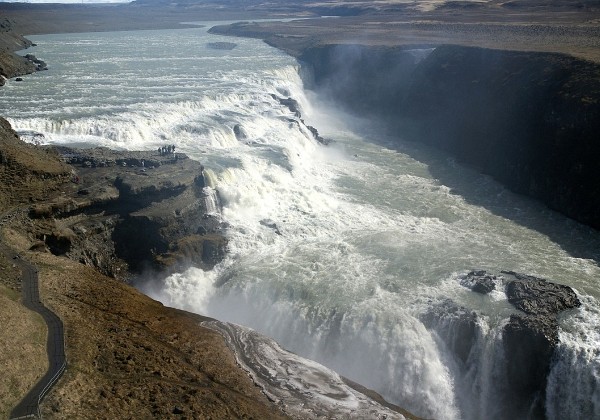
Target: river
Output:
[(334, 251)]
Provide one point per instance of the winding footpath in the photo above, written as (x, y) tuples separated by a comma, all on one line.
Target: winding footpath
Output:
[(29, 407)]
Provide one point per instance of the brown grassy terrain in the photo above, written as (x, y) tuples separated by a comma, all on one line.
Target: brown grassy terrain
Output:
[(128, 355), (23, 336), (576, 34), (131, 357)]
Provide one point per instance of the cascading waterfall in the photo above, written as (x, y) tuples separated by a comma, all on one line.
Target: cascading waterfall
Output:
[(574, 380), (211, 201), (340, 252)]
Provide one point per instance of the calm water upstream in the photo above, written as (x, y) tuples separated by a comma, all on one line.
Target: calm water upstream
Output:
[(367, 238)]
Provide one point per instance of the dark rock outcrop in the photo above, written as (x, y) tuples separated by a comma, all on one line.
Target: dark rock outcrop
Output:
[(536, 296), (528, 119), (479, 281), (39, 64), (11, 64), (239, 132), (294, 107), (530, 340), (456, 325), (130, 211)]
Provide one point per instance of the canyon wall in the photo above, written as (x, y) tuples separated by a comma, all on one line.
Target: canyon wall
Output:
[(529, 120)]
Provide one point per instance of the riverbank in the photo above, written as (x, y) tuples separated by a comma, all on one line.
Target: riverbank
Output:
[(81, 294), (516, 100), (155, 360)]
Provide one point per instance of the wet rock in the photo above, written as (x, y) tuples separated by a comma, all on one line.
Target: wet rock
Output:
[(290, 103), (538, 296), (271, 225), (455, 324), (316, 134), (529, 342), (39, 64), (479, 281), (294, 107), (239, 132)]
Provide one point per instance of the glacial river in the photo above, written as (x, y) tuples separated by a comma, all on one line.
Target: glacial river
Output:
[(334, 251)]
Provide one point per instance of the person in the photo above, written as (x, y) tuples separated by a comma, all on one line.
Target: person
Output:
[(159, 151), (173, 148)]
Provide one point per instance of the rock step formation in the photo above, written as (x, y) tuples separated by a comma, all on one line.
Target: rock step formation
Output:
[(131, 211), (529, 337)]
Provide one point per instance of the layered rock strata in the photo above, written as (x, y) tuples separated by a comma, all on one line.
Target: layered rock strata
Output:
[(131, 211)]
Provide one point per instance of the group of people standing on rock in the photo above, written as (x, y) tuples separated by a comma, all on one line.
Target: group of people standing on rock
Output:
[(166, 150)]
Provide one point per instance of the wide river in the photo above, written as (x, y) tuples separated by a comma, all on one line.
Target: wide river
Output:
[(335, 251)]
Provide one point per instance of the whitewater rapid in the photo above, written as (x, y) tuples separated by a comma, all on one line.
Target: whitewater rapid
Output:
[(335, 252)]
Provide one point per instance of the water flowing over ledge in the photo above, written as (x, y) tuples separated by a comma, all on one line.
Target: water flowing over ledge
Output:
[(335, 252)]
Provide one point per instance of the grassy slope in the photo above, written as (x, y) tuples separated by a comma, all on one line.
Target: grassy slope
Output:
[(127, 353)]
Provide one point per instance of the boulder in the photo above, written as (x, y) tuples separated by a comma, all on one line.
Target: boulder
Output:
[(239, 132), (479, 281), (537, 296)]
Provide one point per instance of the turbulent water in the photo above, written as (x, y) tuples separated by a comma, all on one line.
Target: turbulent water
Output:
[(335, 251)]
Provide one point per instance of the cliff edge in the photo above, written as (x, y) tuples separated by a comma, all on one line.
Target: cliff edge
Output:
[(528, 119), (126, 353)]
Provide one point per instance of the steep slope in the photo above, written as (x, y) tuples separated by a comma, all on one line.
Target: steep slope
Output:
[(530, 120)]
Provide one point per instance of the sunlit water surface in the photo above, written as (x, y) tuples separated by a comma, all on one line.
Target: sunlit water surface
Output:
[(368, 237)]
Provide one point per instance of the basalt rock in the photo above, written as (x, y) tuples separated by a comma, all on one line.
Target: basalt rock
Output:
[(294, 107), (479, 281), (455, 324), (529, 342), (130, 211), (530, 339), (536, 296)]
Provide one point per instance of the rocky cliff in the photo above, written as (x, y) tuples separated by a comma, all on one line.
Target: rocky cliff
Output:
[(528, 119), (13, 65), (528, 340), (126, 212)]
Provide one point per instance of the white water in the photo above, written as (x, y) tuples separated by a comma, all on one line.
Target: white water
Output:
[(369, 237)]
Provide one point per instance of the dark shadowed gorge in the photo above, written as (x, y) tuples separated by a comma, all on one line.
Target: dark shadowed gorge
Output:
[(530, 120), (509, 89)]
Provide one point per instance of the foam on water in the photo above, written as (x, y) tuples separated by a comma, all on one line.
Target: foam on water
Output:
[(336, 252), (574, 381)]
